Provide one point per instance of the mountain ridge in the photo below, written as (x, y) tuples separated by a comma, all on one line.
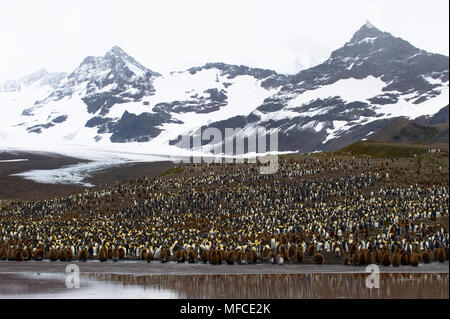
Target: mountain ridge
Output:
[(357, 91)]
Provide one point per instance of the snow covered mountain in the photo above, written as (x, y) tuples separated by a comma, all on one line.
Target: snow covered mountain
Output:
[(113, 101)]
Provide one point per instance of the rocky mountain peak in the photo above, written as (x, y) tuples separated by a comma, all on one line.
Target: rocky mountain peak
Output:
[(368, 30)]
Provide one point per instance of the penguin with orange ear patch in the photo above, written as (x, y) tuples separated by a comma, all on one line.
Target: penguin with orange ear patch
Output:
[(319, 259), (415, 258)]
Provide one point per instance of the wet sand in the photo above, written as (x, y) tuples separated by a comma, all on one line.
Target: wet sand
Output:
[(248, 286), (173, 268)]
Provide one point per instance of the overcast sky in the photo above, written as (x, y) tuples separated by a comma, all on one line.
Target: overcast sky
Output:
[(170, 35)]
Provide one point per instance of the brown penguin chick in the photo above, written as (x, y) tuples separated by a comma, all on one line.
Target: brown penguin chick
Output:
[(192, 256), (352, 249), (25, 255), (84, 255), (213, 257), (415, 258), (115, 254), (254, 256), (265, 254), (69, 254), (347, 259), (168, 254), (121, 253), (239, 256), (435, 253), (53, 255), (404, 259), (230, 257), (299, 255), (386, 259), (284, 253), (220, 256), (205, 256), (292, 251), (362, 257), (379, 256), (110, 253), (355, 258), (18, 256), (10, 254), (163, 256), (103, 255), (143, 253), (319, 259), (149, 256), (249, 257), (180, 256), (426, 257), (311, 249), (369, 257), (38, 254), (447, 251), (62, 255), (396, 260), (441, 255)]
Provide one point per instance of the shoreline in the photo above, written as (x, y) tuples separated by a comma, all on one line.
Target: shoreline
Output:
[(173, 268)]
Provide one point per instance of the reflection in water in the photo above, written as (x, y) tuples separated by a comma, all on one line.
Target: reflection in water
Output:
[(395, 285)]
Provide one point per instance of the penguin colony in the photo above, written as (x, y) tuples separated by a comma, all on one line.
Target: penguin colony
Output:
[(314, 209)]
